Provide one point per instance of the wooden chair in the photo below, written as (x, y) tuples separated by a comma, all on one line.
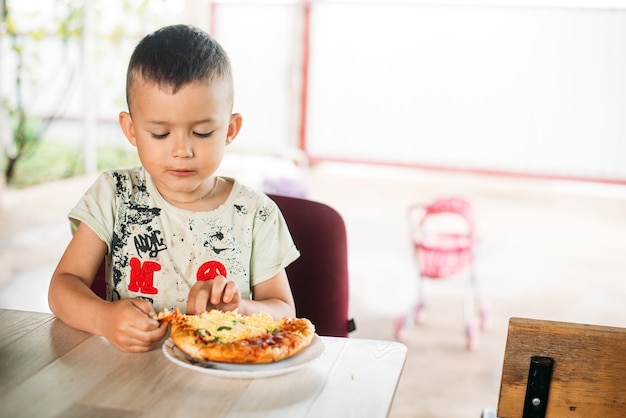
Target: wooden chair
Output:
[(319, 277), (559, 369)]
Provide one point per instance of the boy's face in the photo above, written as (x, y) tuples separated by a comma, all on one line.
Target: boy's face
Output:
[(180, 138)]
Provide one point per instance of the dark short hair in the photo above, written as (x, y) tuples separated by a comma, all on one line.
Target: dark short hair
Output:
[(177, 55)]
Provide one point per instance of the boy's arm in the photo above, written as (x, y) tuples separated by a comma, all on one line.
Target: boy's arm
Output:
[(127, 324), (272, 296), (69, 295)]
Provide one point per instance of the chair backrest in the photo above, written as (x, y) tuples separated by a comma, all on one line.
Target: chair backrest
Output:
[(319, 277), (99, 286), (563, 370)]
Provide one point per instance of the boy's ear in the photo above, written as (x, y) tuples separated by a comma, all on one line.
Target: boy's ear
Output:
[(126, 123), (233, 127)]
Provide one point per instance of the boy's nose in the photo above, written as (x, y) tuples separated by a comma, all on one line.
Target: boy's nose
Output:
[(182, 147)]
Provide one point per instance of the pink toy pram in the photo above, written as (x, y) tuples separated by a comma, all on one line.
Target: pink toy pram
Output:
[(443, 239)]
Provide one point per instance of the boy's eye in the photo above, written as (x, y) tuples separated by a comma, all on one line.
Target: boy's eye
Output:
[(202, 135), (160, 136)]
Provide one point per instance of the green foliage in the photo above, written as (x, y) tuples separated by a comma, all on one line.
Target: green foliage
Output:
[(52, 160), (71, 22), (23, 31), (49, 161), (28, 131), (25, 131)]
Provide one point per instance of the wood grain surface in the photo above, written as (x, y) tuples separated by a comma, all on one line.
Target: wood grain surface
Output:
[(49, 369), (589, 373)]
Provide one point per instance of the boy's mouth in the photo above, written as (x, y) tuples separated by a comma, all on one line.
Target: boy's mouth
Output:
[(182, 172)]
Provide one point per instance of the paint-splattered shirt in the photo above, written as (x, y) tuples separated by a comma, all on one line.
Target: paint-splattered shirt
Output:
[(157, 251)]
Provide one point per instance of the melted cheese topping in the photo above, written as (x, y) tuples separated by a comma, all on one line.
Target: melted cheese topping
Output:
[(227, 327)]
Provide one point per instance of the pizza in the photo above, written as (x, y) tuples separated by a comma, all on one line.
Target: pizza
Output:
[(231, 337)]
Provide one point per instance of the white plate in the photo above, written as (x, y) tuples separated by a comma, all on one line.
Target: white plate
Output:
[(245, 371)]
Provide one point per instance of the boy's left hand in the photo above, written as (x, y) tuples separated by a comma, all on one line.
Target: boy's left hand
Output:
[(218, 293)]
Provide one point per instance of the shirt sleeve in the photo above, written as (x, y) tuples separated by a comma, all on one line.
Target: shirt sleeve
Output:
[(96, 209), (272, 247)]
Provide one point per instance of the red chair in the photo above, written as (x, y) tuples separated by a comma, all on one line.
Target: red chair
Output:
[(319, 277)]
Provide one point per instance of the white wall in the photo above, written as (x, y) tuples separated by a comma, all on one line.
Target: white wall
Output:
[(263, 40), (516, 89)]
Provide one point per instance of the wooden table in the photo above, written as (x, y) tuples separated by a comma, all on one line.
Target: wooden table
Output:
[(50, 369)]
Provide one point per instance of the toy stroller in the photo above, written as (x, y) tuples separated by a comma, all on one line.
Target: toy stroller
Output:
[(440, 255)]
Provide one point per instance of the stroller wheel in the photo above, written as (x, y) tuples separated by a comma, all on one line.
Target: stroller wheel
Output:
[(419, 313), (485, 317), (472, 335), (400, 328)]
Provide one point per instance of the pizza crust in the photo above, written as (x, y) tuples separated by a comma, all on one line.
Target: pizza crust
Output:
[(234, 338)]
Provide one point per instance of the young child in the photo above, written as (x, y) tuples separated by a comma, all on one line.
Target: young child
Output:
[(172, 233)]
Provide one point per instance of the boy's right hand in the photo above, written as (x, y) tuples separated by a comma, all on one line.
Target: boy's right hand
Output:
[(131, 326)]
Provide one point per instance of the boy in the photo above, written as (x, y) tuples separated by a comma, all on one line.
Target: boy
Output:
[(172, 233)]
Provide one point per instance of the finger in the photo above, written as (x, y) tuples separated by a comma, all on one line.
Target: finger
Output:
[(217, 290), (191, 299), (129, 343), (154, 337), (138, 348), (146, 320), (145, 339), (230, 292), (144, 306), (198, 297)]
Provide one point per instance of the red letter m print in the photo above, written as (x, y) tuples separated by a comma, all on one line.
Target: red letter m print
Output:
[(142, 276)]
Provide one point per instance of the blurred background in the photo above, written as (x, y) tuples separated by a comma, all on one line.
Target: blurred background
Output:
[(370, 107)]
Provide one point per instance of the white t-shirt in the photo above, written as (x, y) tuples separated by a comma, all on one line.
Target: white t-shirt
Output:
[(157, 251)]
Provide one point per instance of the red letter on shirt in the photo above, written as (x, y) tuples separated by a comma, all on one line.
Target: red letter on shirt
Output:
[(209, 270), (142, 276)]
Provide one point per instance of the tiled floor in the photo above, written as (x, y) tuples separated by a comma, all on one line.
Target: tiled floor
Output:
[(548, 249)]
